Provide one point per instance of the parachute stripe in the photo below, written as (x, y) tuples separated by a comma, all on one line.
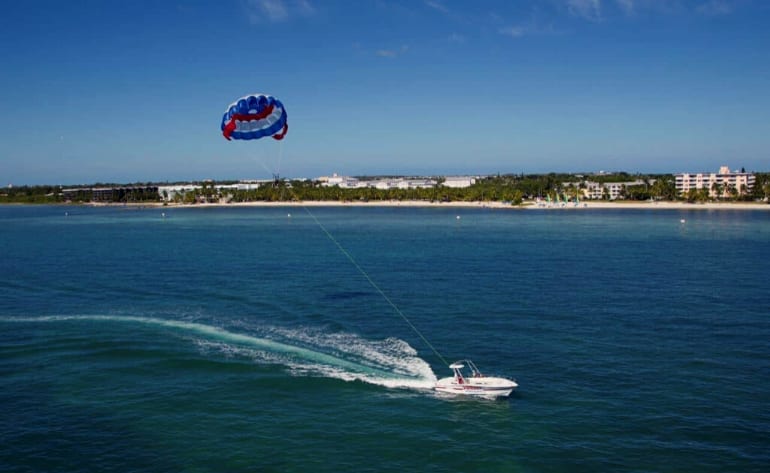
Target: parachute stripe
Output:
[(279, 136), (253, 117)]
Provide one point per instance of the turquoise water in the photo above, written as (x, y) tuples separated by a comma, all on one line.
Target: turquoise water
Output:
[(243, 339)]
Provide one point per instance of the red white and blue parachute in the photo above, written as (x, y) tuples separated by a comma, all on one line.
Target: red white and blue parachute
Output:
[(253, 117)]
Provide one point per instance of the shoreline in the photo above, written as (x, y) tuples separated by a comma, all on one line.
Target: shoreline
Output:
[(528, 205)]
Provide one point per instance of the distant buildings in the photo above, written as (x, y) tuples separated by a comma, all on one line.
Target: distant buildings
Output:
[(168, 193), (610, 190), (171, 192), (721, 184), (725, 183), (346, 182), (343, 182), (459, 182), (404, 183), (111, 194)]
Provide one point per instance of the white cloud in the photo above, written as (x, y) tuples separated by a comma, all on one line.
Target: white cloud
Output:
[(437, 5), (703, 7), (495, 17), (715, 8), (513, 31), (274, 11), (632, 7), (626, 5), (392, 53), (305, 7), (588, 9)]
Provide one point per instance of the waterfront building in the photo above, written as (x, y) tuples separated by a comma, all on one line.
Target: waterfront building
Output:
[(610, 190), (111, 194), (415, 183), (168, 193), (718, 184), (343, 182), (346, 182), (458, 182)]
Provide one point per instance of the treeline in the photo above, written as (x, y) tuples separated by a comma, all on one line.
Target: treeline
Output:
[(313, 191), (31, 195), (102, 192), (501, 188), (504, 188)]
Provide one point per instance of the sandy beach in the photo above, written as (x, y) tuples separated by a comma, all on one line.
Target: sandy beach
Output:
[(664, 205), (527, 205)]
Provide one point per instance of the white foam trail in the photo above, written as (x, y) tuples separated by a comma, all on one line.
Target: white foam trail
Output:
[(393, 355), (391, 362)]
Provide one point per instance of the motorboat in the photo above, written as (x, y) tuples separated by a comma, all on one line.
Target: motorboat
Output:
[(468, 380)]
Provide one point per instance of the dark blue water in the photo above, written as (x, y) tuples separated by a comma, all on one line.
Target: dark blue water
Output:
[(244, 339)]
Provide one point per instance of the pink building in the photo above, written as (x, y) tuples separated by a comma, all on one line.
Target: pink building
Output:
[(718, 184)]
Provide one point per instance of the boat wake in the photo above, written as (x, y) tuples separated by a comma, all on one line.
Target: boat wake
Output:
[(391, 362)]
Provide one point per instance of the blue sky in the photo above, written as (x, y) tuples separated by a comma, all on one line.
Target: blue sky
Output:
[(126, 91)]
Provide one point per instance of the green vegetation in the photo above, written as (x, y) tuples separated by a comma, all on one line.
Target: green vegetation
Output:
[(109, 193), (761, 186), (308, 190), (31, 195), (501, 188)]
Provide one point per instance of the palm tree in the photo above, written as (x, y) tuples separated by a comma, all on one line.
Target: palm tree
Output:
[(572, 190), (716, 190)]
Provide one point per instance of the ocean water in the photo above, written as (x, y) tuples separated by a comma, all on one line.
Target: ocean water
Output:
[(251, 339)]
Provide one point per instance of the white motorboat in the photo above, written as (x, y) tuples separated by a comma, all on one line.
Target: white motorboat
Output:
[(473, 383)]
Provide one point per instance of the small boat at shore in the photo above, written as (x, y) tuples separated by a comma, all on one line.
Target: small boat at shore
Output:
[(473, 383)]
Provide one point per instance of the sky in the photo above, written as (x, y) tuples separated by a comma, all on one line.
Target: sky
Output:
[(134, 91)]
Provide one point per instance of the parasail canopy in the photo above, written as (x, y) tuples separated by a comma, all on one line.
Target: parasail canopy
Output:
[(253, 117)]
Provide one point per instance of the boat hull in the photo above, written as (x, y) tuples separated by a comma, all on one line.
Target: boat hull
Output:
[(481, 387)]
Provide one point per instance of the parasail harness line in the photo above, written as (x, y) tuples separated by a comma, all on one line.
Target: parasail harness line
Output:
[(374, 284), (253, 117), (257, 116)]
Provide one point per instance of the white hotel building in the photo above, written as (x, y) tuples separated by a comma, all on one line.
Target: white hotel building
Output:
[(613, 190), (347, 182), (742, 182)]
